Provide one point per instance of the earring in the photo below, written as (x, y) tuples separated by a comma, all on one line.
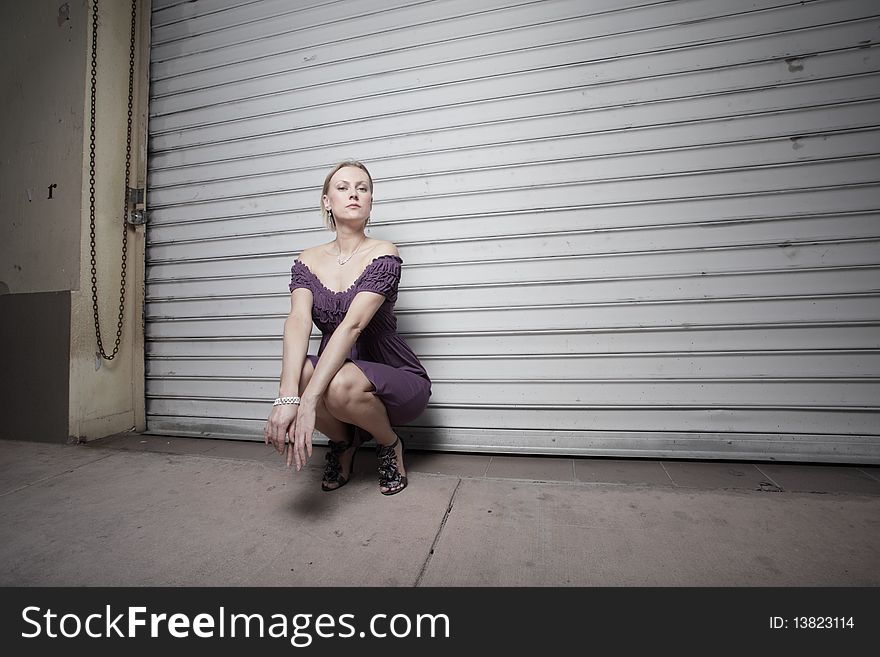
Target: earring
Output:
[(330, 217)]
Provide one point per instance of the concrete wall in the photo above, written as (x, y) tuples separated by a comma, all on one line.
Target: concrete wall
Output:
[(45, 242), (42, 68)]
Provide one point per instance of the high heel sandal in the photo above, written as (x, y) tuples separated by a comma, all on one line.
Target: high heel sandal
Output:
[(333, 467), (389, 474)]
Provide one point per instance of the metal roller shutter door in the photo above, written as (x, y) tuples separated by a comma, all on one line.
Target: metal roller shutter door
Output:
[(646, 230)]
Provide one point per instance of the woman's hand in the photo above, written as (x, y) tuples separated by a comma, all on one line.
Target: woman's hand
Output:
[(279, 425), (301, 441)]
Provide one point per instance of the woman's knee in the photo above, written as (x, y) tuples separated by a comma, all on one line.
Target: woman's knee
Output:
[(344, 389)]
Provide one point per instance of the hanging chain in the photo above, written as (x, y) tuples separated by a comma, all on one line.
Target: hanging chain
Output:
[(92, 179)]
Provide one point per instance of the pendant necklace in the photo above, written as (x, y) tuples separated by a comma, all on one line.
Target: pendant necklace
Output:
[(342, 262)]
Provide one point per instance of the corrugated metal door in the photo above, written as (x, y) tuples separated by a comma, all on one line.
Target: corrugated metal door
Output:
[(643, 228)]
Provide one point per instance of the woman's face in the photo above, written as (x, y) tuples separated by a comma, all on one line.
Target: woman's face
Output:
[(350, 195)]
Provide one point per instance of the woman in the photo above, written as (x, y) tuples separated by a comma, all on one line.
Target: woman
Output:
[(365, 378)]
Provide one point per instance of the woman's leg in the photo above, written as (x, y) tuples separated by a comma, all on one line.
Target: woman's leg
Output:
[(337, 431), (350, 398)]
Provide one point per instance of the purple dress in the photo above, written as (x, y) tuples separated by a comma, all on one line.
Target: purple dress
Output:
[(398, 377)]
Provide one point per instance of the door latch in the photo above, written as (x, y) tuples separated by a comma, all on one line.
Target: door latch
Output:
[(137, 213)]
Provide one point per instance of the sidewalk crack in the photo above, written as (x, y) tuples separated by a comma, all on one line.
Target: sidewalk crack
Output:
[(430, 555), (771, 485), (865, 472), (674, 483)]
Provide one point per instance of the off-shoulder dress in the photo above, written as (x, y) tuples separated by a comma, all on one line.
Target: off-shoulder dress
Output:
[(399, 379)]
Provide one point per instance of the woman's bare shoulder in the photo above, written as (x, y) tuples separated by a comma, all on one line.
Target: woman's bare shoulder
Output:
[(382, 248)]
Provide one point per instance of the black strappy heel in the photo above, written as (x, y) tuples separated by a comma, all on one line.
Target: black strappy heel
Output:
[(333, 467), (389, 474)]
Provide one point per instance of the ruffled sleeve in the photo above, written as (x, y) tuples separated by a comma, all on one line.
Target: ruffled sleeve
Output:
[(382, 276), (299, 276)]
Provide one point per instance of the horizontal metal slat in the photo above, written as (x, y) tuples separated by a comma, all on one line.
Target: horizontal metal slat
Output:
[(822, 282), (632, 340), (782, 256), (545, 394), (670, 419), (807, 447), (625, 286), (649, 314), (530, 367)]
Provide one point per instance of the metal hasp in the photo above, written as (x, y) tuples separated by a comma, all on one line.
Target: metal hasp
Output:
[(137, 214)]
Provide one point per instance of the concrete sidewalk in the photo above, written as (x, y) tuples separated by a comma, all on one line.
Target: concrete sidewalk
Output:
[(156, 511)]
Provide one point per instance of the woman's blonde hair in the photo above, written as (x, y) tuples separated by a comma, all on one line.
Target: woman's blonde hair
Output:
[(329, 221)]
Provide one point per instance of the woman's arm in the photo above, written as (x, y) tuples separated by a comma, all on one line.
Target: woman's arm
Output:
[(360, 312), (297, 328)]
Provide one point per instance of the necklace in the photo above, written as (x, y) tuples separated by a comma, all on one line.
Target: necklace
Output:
[(342, 262)]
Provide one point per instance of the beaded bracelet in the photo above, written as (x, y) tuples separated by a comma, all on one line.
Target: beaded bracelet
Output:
[(286, 400)]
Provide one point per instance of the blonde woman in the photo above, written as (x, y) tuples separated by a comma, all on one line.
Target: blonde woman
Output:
[(365, 378)]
